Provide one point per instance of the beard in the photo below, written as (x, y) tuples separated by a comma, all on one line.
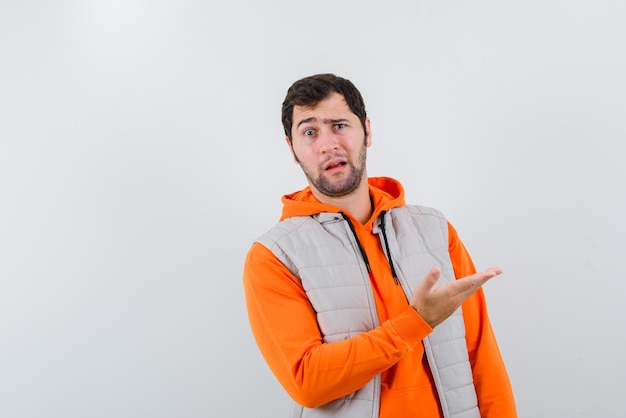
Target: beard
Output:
[(343, 187)]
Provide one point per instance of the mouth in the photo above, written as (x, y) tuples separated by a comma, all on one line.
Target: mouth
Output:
[(334, 164)]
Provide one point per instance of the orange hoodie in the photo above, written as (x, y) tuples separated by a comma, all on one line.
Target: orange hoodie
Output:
[(314, 373)]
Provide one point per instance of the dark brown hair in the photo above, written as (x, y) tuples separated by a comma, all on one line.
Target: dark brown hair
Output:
[(311, 90)]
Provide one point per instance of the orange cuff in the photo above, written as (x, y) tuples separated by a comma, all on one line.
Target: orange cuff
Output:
[(411, 327)]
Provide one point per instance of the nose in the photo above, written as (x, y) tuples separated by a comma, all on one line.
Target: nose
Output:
[(328, 142), (329, 147)]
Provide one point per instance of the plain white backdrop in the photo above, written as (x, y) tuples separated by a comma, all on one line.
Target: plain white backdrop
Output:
[(141, 153)]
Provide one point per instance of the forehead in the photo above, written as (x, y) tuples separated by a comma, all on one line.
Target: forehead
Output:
[(334, 106)]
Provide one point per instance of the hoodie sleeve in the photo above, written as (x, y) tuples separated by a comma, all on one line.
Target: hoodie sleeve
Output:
[(285, 328), (495, 395)]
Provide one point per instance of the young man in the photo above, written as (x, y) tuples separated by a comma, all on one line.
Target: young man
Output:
[(362, 305)]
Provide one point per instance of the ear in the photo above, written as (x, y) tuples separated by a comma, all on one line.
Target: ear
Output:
[(295, 159), (368, 133)]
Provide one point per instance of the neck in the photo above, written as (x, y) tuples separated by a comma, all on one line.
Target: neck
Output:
[(357, 204)]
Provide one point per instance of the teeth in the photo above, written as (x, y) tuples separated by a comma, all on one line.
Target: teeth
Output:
[(340, 163)]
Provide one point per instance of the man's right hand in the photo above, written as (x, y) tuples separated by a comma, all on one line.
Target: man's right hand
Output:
[(437, 302)]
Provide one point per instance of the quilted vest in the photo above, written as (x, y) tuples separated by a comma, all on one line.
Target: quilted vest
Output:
[(324, 254)]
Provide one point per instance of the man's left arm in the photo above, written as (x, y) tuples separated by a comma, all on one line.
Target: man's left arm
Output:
[(495, 395)]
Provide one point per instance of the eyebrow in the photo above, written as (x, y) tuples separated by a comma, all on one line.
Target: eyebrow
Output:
[(324, 121)]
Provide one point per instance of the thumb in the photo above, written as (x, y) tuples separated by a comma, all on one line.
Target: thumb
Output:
[(430, 280)]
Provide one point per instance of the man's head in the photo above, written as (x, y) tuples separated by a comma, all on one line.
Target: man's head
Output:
[(328, 133), (309, 91)]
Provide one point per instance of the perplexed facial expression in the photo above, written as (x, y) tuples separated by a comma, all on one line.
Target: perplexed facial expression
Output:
[(329, 143)]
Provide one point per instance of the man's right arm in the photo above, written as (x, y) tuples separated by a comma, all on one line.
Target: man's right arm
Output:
[(285, 327)]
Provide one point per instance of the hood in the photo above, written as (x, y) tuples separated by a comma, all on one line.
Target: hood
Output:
[(386, 193)]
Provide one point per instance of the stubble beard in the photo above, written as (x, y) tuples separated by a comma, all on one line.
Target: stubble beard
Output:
[(337, 188)]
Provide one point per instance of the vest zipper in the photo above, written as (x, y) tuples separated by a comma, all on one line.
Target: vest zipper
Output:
[(382, 227), (363, 255), (358, 243)]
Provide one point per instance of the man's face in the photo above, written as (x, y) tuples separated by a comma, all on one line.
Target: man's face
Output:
[(330, 146)]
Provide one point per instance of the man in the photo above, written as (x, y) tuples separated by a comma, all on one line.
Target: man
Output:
[(361, 305)]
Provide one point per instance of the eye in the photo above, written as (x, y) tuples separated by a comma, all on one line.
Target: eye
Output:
[(309, 132), (340, 125)]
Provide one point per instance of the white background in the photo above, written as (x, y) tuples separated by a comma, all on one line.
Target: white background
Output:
[(141, 153)]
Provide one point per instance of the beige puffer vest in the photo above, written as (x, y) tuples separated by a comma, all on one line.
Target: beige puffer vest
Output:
[(325, 254)]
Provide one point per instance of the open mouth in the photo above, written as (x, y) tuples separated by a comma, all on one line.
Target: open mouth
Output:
[(335, 165)]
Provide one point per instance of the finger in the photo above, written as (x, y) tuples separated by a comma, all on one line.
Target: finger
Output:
[(430, 280), (434, 272), (493, 270), (478, 279), (466, 286), (433, 275)]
